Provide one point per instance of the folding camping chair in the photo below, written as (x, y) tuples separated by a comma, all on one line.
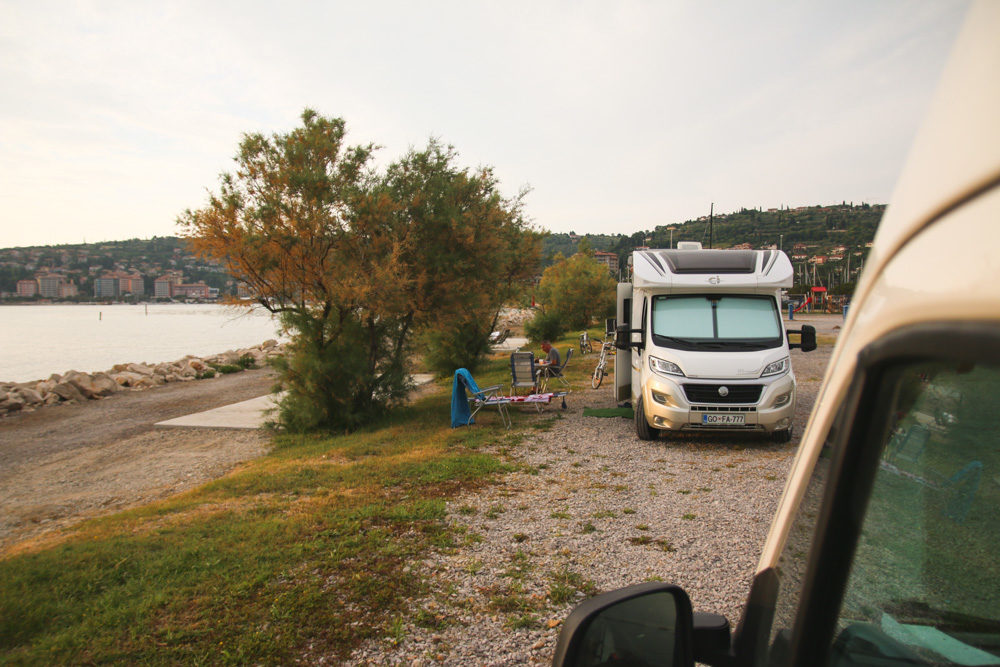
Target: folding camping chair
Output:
[(523, 372), (554, 372), (464, 408), (498, 337)]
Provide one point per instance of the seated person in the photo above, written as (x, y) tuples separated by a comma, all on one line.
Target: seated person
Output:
[(551, 364)]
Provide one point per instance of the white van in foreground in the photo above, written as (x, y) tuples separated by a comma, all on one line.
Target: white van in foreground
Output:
[(885, 549), (709, 350)]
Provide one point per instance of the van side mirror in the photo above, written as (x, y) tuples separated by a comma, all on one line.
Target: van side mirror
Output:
[(807, 338), (644, 624)]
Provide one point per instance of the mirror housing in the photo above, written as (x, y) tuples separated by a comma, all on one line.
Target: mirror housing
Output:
[(622, 341), (623, 338), (648, 623), (807, 338)]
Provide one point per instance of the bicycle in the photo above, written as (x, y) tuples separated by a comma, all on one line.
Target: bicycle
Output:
[(607, 349), (586, 345)]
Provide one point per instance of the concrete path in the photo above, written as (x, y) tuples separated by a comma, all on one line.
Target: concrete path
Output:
[(510, 345), (245, 414)]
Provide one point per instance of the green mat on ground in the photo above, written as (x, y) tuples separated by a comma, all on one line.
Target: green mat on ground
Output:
[(608, 412)]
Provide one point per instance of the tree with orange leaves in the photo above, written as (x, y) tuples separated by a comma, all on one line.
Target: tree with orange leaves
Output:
[(357, 264)]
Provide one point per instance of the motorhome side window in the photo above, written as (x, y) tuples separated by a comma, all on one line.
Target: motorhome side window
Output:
[(730, 322)]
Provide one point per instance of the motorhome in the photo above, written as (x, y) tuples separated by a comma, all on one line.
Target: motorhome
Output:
[(706, 347)]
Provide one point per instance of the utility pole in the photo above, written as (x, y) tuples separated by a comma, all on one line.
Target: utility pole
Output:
[(711, 223), (671, 237), (781, 241)]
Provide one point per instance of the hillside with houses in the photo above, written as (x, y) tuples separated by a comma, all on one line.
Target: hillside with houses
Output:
[(160, 268), (827, 245)]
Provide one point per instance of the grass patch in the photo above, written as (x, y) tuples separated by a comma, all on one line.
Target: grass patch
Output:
[(566, 584), (665, 545), (309, 546)]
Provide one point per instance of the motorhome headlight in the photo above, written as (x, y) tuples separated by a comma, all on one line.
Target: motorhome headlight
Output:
[(664, 367), (776, 368)]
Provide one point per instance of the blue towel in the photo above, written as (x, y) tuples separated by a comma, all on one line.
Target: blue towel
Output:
[(460, 412)]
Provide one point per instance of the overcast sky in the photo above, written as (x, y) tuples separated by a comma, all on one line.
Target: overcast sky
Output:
[(620, 116)]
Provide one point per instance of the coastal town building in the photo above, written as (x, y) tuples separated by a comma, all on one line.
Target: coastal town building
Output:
[(131, 283), (27, 288), (118, 283), (164, 285), (48, 285), (106, 287), (198, 290)]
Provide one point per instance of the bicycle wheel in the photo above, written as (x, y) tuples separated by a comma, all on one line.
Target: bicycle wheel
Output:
[(595, 381)]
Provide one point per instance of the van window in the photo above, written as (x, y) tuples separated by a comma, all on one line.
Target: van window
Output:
[(923, 585), (725, 322)]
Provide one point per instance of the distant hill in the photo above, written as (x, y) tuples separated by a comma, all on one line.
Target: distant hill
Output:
[(828, 242)]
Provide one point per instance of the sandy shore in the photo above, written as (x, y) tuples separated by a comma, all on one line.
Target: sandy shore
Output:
[(64, 463)]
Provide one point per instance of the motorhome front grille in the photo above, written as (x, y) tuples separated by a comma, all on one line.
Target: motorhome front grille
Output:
[(724, 408), (722, 393)]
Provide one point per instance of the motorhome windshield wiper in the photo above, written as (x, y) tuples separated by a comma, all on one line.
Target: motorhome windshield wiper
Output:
[(680, 341)]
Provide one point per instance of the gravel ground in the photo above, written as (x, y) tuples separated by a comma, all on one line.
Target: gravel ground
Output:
[(594, 508)]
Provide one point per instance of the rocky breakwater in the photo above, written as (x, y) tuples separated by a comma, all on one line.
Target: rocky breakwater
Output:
[(74, 386)]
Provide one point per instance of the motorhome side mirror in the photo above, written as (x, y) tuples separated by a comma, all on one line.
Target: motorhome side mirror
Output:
[(807, 339), (644, 624)]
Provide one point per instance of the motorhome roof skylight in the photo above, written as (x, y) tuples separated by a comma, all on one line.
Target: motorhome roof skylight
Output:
[(708, 261)]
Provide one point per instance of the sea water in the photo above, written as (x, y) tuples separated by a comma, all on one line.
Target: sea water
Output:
[(39, 340)]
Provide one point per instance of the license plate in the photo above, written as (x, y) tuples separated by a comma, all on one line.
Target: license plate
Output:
[(723, 420)]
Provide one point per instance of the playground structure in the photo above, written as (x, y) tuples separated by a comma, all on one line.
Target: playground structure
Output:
[(819, 300)]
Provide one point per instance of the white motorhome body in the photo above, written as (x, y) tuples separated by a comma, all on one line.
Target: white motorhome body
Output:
[(708, 344)]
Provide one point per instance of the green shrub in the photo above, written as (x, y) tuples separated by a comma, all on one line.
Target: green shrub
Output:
[(545, 326), (330, 381), (246, 362), (463, 345)]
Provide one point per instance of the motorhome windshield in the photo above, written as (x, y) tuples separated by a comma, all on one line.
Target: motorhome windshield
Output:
[(731, 322)]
